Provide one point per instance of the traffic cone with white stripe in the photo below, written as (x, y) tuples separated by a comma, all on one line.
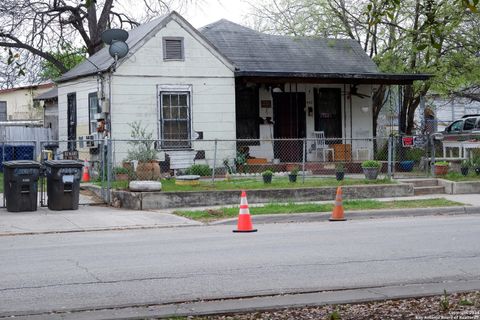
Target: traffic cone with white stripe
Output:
[(337, 213), (244, 221)]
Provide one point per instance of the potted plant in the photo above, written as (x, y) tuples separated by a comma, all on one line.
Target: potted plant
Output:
[(143, 150), (406, 165), (339, 171), (292, 177), (267, 176), (464, 166), (440, 168), (121, 173), (477, 167), (370, 169)]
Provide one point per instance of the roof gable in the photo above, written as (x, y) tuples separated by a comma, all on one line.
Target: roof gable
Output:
[(137, 37), (253, 51)]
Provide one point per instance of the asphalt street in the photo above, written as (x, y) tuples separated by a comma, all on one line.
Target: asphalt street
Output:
[(41, 273)]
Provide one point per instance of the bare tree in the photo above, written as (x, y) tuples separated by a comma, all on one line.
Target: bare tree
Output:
[(40, 27)]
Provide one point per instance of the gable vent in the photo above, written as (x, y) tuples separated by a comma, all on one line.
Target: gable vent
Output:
[(173, 48)]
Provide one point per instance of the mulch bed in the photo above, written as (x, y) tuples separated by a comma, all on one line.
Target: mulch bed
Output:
[(459, 306)]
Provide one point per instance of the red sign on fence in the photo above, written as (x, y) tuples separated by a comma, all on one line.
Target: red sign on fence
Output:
[(408, 141)]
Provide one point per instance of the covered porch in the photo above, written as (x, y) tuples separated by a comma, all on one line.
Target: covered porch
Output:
[(313, 118)]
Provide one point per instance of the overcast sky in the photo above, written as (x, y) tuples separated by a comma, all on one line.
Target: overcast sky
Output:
[(208, 11)]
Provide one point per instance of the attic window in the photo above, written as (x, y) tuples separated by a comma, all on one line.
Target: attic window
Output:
[(173, 48)]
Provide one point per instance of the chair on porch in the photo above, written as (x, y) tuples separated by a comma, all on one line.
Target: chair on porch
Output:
[(321, 146)]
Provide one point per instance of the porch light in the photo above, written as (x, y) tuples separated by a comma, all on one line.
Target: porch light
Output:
[(365, 109)]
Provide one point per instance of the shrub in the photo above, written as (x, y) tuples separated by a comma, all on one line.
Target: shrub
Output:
[(199, 170), (371, 164), (267, 173), (465, 164), (120, 170), (294, 171), (441, 163)]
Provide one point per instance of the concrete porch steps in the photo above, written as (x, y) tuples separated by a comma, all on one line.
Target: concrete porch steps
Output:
[(425, 186), (421, 191)]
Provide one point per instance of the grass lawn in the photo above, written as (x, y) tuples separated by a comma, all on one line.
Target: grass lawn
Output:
[(230, 212), (455, 176), (250, 184)]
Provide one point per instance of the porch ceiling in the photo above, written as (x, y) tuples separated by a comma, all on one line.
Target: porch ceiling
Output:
[(357, 78)]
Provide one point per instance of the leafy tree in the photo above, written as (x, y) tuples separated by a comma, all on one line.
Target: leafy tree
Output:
[(69, 57), (409, 36)]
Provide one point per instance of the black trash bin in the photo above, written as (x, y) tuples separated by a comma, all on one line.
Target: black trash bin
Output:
[(63, 184), (20, 185)]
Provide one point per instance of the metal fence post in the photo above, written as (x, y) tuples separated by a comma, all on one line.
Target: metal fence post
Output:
[(432, 162), (303, 158), (390, 150), (214, 161), (109, 168)]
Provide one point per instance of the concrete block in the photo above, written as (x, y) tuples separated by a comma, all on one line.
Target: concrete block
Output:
[(145, 186)]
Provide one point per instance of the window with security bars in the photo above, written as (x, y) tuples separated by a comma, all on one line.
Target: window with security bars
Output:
[(173, 48), (175, 120), (93, 108)]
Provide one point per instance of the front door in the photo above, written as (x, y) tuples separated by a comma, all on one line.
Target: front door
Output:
[(328, 111), (289, 123), (72, 120)]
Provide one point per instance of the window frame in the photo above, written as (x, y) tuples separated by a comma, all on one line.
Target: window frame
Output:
[(469, 120), (90, 95), (182, 48), (174, 89), (6, 109)]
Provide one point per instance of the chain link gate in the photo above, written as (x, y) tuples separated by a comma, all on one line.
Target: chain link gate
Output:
[(92, 153)]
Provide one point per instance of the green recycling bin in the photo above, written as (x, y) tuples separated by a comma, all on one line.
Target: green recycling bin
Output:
[(63, 184), (20, 184)]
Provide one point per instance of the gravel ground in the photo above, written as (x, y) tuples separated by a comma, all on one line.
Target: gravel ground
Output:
[(460, 306)]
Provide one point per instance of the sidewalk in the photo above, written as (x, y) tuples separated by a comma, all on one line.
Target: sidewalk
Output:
[(86, 218), (100, 218)]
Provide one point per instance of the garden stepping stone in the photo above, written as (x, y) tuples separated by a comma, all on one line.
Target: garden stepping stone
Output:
[(187, 180)]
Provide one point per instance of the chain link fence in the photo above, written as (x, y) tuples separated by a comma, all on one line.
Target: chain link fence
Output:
[(114, 163)]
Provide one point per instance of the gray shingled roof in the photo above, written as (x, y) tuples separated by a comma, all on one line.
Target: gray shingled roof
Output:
[(102, 58), (50, 94), (252, 51)]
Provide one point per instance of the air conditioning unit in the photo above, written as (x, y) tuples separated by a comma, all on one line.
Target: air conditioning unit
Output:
[(88, 141)]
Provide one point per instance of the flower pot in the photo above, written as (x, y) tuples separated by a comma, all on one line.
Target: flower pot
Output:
[(121, 177), (267, 179), (148, 170), (339, 175), (477, 170), (292, 177), (406, 165), (370, 173), (440, 170), (464, 171)]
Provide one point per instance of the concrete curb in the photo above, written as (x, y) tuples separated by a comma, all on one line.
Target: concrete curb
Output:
[(262, 303), (354, 215)]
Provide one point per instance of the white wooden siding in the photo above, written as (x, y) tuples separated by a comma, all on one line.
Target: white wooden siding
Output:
[(81, 87)]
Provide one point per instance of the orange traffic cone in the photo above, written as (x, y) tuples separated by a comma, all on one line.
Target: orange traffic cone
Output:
[(244, 221), (337, 213), (86, 174)]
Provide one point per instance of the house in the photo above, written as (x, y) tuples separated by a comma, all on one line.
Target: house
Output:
[(17, 104), (49, 100), (225, 81)]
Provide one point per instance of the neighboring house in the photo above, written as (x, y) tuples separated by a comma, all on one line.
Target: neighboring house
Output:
[(447, 110), (49, 99), (224, 81), (17, 104)]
